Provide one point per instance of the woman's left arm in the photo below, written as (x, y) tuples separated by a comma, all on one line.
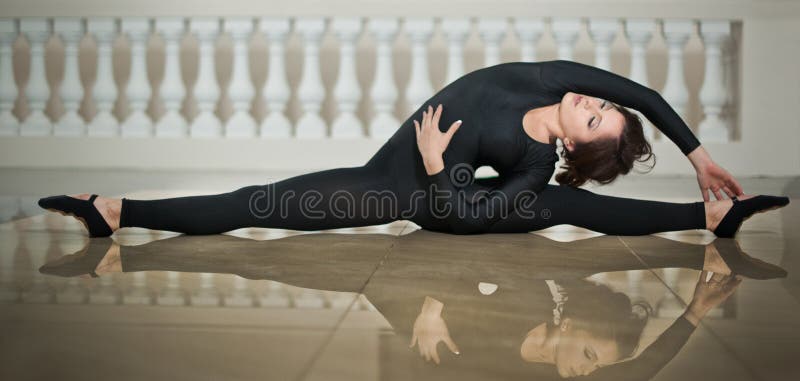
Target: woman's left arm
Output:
[(562, 76)]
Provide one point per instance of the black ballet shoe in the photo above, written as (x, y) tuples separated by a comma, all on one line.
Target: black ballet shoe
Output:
[(741, 210), (83, 209), (742, 264), (81, 262)]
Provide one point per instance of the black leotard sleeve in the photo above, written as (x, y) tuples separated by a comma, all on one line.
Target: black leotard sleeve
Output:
[(652, 359), (469, 215), (563, 76)]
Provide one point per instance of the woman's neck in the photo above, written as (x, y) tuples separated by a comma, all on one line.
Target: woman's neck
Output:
[(539, 345), (542, 123)]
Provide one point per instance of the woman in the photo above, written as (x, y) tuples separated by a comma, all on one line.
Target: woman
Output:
[(512, 115), (513, 331)]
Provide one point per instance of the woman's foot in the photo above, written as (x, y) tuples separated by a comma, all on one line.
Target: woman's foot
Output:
[(717, 211), (109, 209)]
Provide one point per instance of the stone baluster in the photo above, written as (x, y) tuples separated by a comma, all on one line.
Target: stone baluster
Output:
[(206, 90), (138, 91), (566, 32), (172, 89), (419, 84), (171, 294), (639, 33), (492, 30), (276, 88), (36, 90), (240, 90), (530, 30), (241, 296), (310, 92), (603, 31), (456, 30), (206, 294), (104, 90), (347, 92), (275, 296), (138, 292), (712, 95), (71, 89), (383, 91), (9, 125), (676, 33)]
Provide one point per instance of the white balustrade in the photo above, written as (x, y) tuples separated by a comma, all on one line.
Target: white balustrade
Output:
[(456, 30), (713, 128), (639, 33), (310, 92), (240, 90), (347, 92), (419, 86), (71, 88), (276, 88), (603, 31), (9, 125), (104, 91), (36, 90), (676, 34), (206, 90), (566, 32), (172, 89), (492, 31), (530, 31), (383, 91), (138, 92), (718, 96)]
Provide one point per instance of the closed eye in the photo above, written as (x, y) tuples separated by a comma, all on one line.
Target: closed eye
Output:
[(602, 107)]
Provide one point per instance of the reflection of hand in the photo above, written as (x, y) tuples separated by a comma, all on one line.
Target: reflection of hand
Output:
[(709, 293), (430, 329)]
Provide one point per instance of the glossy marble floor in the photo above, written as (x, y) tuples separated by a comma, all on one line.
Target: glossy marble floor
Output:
[(344, 304)]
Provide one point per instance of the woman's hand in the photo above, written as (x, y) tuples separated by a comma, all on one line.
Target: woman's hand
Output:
[(712, 289), (430, 329), (711, 177), (432, 142)]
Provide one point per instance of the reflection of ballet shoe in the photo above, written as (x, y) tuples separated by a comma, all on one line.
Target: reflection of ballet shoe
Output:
[(81, 209), (742, 264), (84, 261), (743, 209)]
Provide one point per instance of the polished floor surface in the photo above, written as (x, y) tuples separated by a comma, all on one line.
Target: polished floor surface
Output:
[(344, 304)]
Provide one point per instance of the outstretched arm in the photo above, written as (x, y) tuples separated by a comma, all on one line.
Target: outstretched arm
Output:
[(709, 293), (561, 76), (471, 216)]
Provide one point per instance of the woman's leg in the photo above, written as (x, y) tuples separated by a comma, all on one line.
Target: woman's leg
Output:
[(557, 205), (334, 198)]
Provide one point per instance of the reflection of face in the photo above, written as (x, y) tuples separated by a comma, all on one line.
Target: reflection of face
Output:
[(579, 353), (588, 119)]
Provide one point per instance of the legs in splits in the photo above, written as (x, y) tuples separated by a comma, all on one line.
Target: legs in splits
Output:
[(557, 205), (334, 198)]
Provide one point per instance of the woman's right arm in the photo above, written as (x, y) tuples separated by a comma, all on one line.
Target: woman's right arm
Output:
[(707, 295)]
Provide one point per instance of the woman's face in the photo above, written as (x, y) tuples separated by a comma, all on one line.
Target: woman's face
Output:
[(584, 118), (579, 353)]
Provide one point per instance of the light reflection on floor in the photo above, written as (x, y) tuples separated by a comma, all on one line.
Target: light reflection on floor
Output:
[(341, 304)]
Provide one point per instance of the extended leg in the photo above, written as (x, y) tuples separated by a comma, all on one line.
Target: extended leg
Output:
[(334, 198), (558, 205)]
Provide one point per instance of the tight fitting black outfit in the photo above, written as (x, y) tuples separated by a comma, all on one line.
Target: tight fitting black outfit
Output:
[(394, 185)]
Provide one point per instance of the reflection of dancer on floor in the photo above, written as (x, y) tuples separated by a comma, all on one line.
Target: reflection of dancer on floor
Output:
[(512, 330), (512, 114)]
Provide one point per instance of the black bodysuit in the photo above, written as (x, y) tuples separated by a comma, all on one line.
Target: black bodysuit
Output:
[(394, 185)]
